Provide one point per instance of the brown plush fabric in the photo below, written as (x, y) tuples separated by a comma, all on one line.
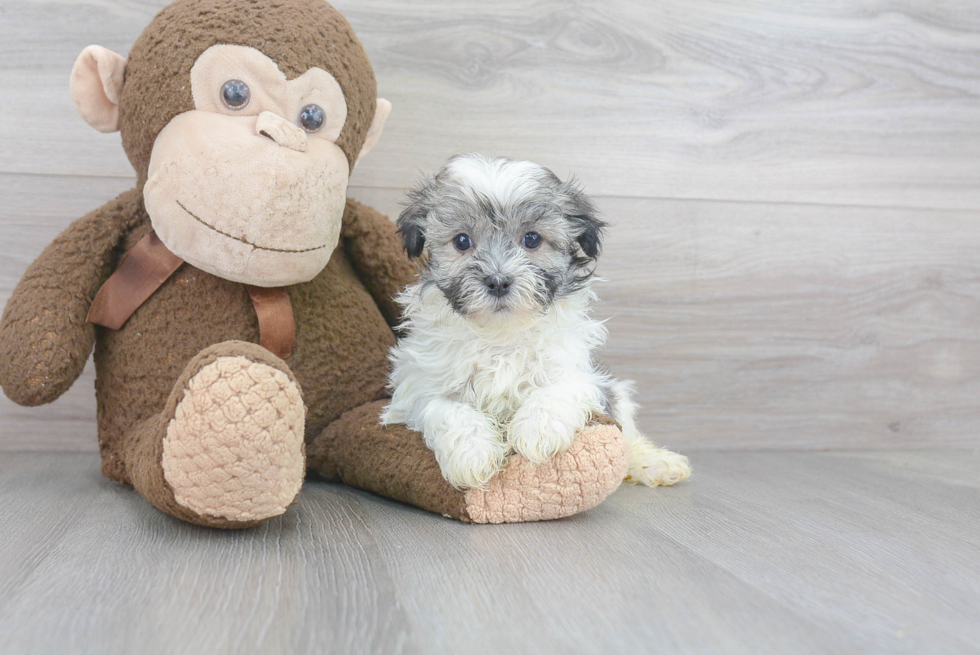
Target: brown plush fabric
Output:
[(366, 232), (44, 337), (340, 358), (297, 34), (390, 461)]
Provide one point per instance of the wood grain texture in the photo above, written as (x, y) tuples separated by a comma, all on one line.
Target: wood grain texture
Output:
[(749, 326), (758, 553), (874, 102)]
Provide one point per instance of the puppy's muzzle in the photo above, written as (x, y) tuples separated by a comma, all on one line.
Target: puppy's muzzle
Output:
[(498, 285)]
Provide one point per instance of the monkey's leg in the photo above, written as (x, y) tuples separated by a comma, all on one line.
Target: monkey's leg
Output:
[(394, 461), (227, 451)]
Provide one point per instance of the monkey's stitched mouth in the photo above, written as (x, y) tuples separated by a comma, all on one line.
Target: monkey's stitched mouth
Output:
[(242, 239)]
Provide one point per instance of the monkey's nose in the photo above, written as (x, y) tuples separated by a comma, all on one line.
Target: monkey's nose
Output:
[(281, 131), (498, 285)]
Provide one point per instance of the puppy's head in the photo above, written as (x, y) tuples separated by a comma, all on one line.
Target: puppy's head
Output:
[(501, 238)]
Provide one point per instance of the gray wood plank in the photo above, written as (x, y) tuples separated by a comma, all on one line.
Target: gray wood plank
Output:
[(872, 552), (590, 584), (43, 498), (125, 578), (771, 325), (874, 102), (888, 577)]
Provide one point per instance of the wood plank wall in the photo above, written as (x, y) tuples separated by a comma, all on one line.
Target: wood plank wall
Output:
[(795, 189)]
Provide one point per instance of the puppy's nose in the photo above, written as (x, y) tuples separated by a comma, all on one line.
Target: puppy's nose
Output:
[(498, 284)]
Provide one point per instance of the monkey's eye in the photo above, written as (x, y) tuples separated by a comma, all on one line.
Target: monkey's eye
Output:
[(462, 242), (235, 94), (311, 117), (532, 240)]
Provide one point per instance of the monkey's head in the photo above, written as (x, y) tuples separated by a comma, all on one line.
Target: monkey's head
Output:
[(243, 120)]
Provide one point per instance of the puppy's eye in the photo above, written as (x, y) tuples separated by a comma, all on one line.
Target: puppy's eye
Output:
[(311, 117), (462, 242), (532, 240), (235, 94)]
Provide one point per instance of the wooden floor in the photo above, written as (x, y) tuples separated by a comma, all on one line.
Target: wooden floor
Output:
[(794, 264), (869, 551)]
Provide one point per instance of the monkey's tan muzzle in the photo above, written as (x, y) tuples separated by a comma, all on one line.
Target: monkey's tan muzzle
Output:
[(256, 210)]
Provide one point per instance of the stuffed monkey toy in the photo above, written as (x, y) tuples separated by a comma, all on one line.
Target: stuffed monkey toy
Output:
[(239, 305)]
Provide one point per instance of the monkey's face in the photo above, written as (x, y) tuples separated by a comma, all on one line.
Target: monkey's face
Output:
[(245, 169), (250, 185)]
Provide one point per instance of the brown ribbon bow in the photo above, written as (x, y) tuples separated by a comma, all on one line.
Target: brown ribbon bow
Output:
[(150, 263)]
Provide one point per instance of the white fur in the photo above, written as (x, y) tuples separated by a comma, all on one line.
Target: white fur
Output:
[(476, 390), (505, 180)]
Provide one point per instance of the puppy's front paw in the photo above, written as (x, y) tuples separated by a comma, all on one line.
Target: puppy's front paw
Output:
[(470, 452), (656, 467), (540, 432)]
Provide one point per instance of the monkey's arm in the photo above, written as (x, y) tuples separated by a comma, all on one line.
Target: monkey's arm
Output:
[(44, 338), (377, 254)]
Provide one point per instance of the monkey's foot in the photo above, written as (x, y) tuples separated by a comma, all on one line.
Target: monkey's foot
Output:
[(656, 467), (571, 482), (234, 448), (228, 450), (394, 461)]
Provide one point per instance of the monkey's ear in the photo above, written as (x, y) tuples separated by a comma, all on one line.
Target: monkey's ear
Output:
[(584, 217), (96, 82), (377, 126)]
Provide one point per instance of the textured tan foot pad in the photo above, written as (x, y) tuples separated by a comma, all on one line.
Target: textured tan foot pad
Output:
[(234, 448), (574, 481)]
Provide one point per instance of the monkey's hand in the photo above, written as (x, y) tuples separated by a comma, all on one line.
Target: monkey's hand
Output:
[(44, 337), (378, 256)]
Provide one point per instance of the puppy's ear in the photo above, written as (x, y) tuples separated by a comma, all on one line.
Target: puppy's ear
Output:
[(587, 227), (411, 222), (412, 234)]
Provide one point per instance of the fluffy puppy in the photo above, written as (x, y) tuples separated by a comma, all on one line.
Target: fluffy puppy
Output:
[(496, 353)]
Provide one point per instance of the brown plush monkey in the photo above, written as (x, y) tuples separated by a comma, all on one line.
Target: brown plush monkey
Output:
[(243, 120)]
